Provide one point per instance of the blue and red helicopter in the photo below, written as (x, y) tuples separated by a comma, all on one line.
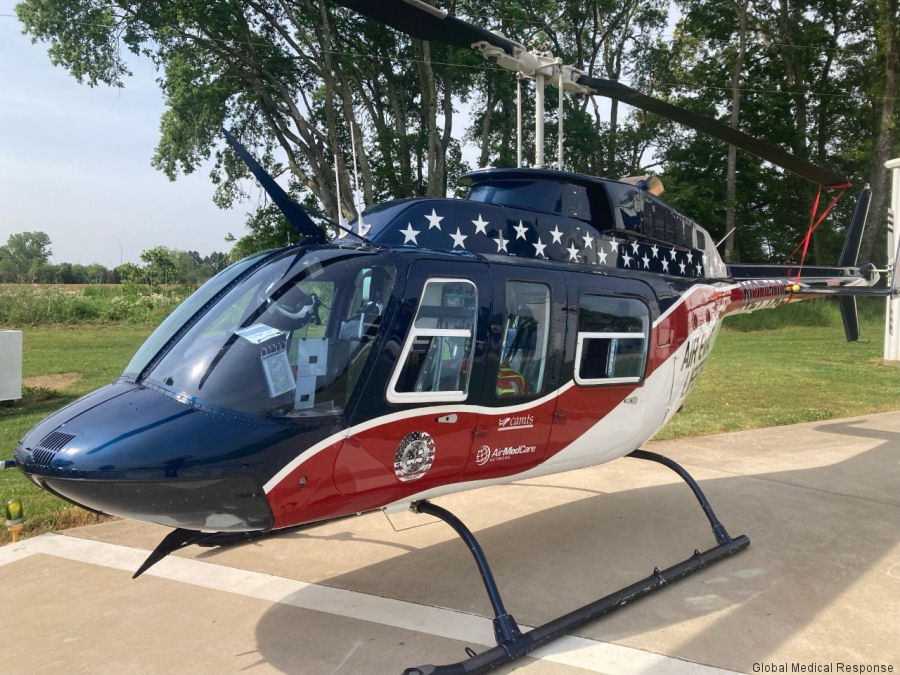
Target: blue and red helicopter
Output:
[(547, 322)]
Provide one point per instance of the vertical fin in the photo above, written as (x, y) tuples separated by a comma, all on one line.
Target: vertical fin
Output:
[(848, 258)]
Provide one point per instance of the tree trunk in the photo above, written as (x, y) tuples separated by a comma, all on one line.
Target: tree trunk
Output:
[(731, 177), (887, 33)]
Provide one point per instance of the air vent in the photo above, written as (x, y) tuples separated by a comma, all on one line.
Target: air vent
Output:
[(55, 440), (42, 457), (46, 450)]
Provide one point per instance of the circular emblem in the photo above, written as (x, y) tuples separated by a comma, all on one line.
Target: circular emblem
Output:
[(483, 455), (414, 456)]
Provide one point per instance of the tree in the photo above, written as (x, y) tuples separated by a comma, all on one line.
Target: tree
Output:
[(23, 255), (161, 267), (299, 77), (216, 262), (268, 229)]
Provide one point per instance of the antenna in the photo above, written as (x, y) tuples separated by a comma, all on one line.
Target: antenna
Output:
[(519, 120), (340, 217), (357, 202)]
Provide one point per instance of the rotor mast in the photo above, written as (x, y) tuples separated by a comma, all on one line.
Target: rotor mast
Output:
[(544, 68)]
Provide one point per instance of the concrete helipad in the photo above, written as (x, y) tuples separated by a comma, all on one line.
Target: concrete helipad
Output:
[(817, 591)]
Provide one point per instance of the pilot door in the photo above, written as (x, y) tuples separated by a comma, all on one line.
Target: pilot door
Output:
[(423, 434), (524, 356)]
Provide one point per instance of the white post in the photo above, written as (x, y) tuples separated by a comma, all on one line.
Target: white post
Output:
[(10, 365), (892, 318)]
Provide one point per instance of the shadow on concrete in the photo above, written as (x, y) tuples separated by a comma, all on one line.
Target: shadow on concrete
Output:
[(793, 596)]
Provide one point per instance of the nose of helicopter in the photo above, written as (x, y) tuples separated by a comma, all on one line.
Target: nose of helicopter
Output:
[(131, 451)]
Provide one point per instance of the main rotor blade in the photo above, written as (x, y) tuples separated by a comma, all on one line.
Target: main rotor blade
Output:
[(421, 20), (291, 209), (711, 127)]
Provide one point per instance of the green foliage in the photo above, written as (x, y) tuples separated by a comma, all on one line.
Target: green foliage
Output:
[(268, 228), (27, 305), (24, 256), (818, 79)]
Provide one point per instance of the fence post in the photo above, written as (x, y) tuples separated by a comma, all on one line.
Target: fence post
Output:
[(892, 317)]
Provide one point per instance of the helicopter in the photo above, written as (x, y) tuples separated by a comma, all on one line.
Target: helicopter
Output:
[(550, 321)]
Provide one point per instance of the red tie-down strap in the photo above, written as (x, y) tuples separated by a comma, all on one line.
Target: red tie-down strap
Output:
[(814, 222)]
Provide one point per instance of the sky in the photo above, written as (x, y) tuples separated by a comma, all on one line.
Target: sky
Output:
[(75, 163)]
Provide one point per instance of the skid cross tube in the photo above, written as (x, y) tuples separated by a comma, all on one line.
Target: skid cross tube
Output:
[(512, 643)]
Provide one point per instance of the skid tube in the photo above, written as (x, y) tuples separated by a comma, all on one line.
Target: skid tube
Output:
[(513, 644)]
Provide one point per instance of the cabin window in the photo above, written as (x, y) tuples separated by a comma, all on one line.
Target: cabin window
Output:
[(436, 360), (526, 323), (613, 335)]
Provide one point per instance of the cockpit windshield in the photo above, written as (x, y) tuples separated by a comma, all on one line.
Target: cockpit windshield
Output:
[(289, 341)]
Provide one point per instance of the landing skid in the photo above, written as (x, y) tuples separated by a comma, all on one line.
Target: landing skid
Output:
[(512, 643)]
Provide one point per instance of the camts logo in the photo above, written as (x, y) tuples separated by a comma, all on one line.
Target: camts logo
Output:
[(515, 422), (487, 454)]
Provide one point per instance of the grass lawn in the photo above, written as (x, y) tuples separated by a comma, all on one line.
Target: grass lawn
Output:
[(70, 361), (753, 379), (789, 375)]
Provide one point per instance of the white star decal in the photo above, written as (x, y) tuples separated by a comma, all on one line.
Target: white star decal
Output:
[(681, 267), (434, 220), (588, 241), (626, 260), (655, 250), (557, 235), (501, 243), (672, 254), (480, 225), (573, 252), (690, 257), (613, 245), (665, 264), (699, 270), (409, 234), (601, 256), (539, 247), (521, 231), (646, 262), (458, 239), (634, 247)]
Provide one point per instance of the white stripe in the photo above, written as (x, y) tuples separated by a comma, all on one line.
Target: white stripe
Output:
[(306, 454), (570, 650), (406, 414), (693, 289)]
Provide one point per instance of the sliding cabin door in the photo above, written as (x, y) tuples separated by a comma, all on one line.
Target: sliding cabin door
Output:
[(524, 354)]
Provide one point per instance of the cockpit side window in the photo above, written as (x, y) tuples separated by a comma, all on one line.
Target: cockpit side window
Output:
[(613, 338), (436, 360)]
